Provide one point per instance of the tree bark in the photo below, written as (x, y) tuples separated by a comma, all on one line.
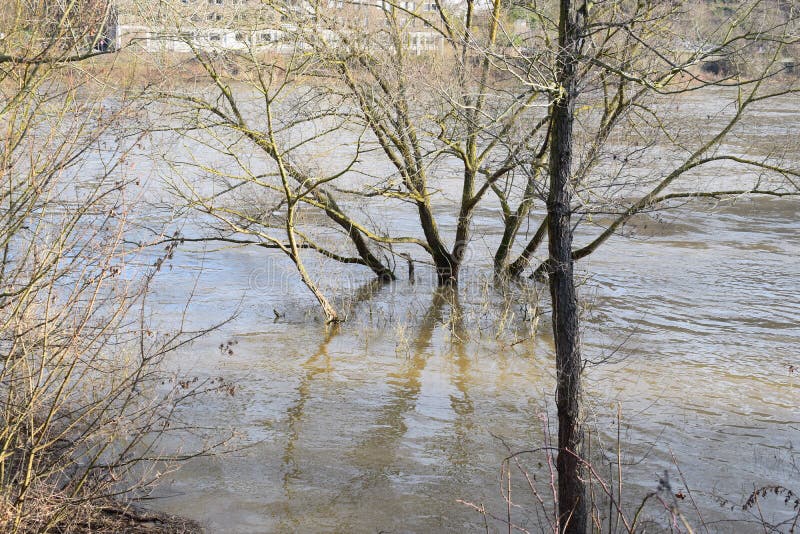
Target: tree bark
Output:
[(333, 211), (524, 259), (571, 492), (447, 266)]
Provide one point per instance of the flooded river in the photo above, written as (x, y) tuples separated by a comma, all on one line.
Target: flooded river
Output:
[(386, 423)]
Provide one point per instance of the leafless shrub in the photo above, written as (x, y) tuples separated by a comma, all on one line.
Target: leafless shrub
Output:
[(84, 403)]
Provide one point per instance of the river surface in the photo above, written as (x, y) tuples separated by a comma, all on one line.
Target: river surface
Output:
[(400, 416)]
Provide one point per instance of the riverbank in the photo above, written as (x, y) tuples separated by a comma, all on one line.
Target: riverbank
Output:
[(135, 68), (108, 516), (117, 518)]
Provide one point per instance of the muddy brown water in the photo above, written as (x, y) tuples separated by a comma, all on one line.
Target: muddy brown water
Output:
[(389, 422)]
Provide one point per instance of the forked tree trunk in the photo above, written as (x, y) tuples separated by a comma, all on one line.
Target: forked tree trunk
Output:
[(571, 492)]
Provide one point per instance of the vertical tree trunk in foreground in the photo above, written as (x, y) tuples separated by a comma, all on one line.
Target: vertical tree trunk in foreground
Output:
[(571, 501)]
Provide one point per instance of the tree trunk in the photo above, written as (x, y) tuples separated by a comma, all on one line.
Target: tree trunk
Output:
[(447, 266), (331, 316), (524, 259), (571, 493), (333, 211)]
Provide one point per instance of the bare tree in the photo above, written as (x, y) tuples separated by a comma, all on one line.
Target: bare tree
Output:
[(566, 334), (82, 403), (439, 105), (618, 50)]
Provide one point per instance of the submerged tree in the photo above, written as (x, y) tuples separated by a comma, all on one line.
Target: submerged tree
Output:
[(361, 94), (327, 115), (330, 122)]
